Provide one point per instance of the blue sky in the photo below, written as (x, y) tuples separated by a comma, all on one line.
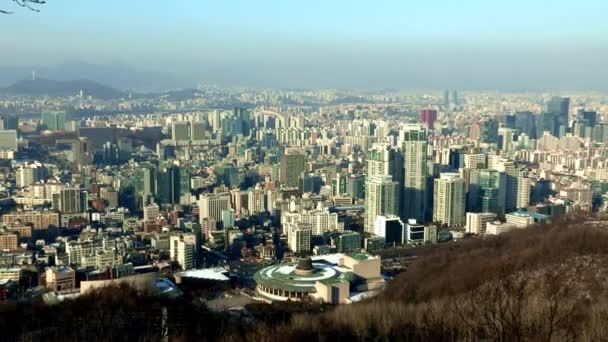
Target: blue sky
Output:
[(323, 43)]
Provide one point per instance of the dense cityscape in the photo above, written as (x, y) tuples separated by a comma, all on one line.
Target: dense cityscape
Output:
[(289, 195), (303, 170)]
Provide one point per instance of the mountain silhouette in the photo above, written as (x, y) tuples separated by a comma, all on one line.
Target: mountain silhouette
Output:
[(42, 87)]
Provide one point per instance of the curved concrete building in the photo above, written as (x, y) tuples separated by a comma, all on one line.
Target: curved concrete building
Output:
[(327, 278)]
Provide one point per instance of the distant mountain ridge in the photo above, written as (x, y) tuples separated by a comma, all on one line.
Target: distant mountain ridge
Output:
[(42, 87), (116, 75)]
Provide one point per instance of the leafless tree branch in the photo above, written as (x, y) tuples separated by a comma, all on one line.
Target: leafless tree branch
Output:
[(31, 5)]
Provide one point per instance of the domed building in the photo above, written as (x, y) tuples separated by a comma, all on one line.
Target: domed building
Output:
[(328, 278)]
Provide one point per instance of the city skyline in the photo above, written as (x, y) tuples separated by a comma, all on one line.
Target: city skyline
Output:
[(301, 171)]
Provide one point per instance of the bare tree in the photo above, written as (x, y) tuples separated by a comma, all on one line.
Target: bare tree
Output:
[(32, 5)]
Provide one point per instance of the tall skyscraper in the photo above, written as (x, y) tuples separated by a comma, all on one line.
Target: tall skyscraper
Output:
[(488, 131), (245, 119), (125, 148), (414, 149), (72, 201), (168, 184), (448, 200), (145, 184), (523, 191), (428, 118), (54, 121), (518, 187), (506, 137), (381, 195), (82, 152), (197, 130), (526, 124), (355, 186), (487, 191), (8, 121), (382, 160), (180, 131), (455, 99), (560, 108), (29, 173), (293, 163)]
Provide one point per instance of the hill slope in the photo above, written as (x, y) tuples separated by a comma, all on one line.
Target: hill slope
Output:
[(547, 283), (542, 283)]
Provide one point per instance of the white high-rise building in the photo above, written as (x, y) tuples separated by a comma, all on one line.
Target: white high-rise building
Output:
[(28, 174), (449, 199), (183, 250), (523, 192), (381, 195), (414, 148), (212, 205), (475, 161), (381, 161), (257, 201), (298, 237)]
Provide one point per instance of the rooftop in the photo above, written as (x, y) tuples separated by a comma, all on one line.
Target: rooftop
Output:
[(215, 273)]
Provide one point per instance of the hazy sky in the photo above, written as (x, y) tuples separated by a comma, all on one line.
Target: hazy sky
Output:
[(487, 44)]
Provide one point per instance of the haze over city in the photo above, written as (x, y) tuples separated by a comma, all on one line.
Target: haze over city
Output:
[(303, 170), (515, 45)]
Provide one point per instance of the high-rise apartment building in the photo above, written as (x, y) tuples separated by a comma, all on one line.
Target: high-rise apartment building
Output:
[(299, 236), (414, 149), (293, 163), (449, 199), (381, 194)]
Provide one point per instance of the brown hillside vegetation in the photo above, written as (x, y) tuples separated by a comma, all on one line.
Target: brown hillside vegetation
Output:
[(545, 283)]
